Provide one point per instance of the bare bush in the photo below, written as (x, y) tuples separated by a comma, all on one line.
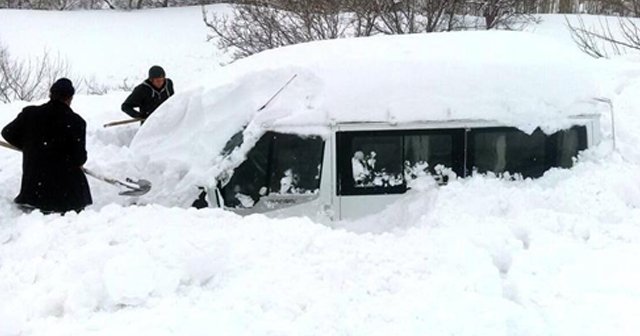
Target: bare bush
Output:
[(29, 79), (503, 14), (602, 40), (48, 4), (613, 7), (92, 87), (426, 16), (264, 25), (364, 18), (100, 4), (258, 25), (126, 86)]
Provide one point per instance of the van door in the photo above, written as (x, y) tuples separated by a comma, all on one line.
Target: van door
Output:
[(374, 168)]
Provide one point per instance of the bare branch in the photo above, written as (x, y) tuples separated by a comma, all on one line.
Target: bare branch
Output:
[(29, 79), (601, 42)]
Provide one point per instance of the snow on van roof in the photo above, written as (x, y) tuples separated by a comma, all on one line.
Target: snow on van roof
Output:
[(511, 78)]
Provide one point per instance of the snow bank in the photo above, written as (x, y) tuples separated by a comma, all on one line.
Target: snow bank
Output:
[(480, 256)]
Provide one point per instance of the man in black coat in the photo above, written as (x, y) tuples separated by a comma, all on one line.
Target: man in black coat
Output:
[(148, 95), (52, 140)]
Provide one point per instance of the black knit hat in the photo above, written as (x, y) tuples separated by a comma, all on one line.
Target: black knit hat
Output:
[(62, 88), (156, 71)]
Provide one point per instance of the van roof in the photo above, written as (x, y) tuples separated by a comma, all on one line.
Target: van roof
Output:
[(511, 78)]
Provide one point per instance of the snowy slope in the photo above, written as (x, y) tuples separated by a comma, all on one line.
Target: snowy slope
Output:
[(554, 256), (111, 47)]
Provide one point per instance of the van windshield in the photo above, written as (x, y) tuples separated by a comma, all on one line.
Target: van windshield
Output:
[(279, 164)]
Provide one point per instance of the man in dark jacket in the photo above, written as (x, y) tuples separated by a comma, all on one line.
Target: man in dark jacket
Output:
[(148, 95), (52, 140)]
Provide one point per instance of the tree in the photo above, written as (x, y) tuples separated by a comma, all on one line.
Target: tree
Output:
[(602, 41)]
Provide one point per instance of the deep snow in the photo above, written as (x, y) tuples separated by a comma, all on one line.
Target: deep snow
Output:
[(481, 256)]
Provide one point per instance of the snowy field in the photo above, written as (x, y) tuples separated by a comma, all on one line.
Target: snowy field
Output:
[(481, 256)]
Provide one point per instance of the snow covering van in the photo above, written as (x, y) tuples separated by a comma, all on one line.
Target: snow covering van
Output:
[(340, 129)]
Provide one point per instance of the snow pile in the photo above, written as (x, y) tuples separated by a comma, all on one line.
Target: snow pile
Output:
[(512, 78), (490, 257)]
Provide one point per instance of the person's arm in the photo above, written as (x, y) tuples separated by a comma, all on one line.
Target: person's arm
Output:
[(78, 144), (134, 100), (14, 131), (170, 87)]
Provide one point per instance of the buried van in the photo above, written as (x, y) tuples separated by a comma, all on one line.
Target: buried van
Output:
[(340, 129)]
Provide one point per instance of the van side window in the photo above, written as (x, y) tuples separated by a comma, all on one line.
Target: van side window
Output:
[(506, 149), (295, 164), (502, 150), (277, 164), (383, 162), (246, 184), (567, 144), (370, 163), (439, 153)]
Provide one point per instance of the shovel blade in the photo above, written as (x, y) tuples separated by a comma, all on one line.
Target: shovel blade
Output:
[(143, 187)]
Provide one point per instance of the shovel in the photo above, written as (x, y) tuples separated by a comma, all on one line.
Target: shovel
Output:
[(135, 187)]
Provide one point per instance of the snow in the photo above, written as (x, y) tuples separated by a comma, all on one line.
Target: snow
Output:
[(113, 48), (480, 256), (521, 80)]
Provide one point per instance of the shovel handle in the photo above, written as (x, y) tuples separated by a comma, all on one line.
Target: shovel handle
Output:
[(91, 173), (110, 180), (10, 146), (122, 122)]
